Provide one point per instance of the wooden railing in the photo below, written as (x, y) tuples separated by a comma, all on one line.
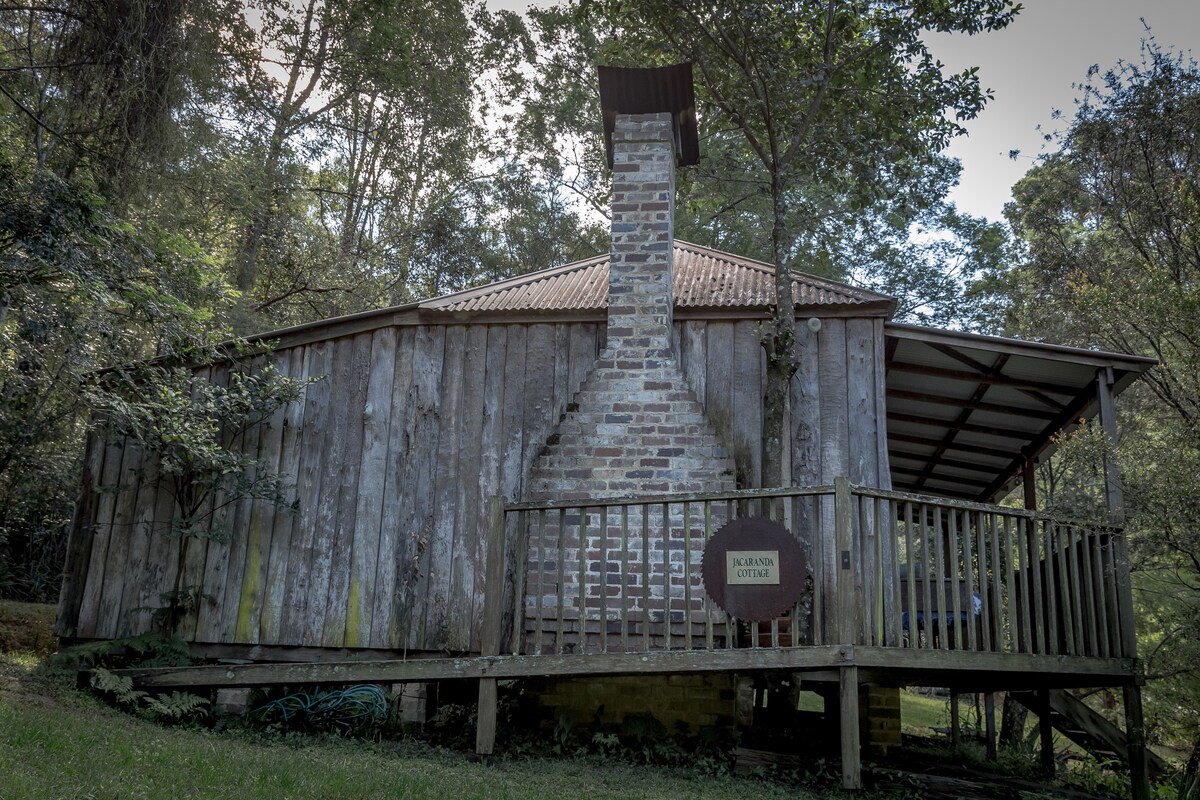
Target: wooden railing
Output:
[(886, 569)]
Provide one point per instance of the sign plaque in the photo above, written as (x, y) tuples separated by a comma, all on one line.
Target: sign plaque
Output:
[(754, 569), (750, 567)]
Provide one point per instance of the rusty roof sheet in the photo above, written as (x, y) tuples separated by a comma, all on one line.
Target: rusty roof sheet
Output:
[(651, 90), (703, 278)]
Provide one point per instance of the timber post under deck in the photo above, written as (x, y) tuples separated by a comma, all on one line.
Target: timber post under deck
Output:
[(1070, 627)]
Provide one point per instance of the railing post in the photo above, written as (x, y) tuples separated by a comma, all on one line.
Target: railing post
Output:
[(846, 567), (493, 623)]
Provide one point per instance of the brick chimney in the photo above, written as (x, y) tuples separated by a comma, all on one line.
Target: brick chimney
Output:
[(635, 427), (643, 235)]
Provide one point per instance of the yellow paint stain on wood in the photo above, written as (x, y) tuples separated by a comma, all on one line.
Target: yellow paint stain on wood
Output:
[(251, 584), (353, 614)]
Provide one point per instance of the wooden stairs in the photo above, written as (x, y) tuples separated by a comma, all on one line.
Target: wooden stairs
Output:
[(1078, 722)]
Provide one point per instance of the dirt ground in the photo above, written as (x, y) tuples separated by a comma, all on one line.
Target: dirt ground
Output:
[(27, 627)]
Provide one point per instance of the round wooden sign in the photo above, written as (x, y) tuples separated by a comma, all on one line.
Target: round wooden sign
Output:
[(753, 568)]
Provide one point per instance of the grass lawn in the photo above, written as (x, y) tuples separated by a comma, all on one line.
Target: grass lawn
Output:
[(58, 743)]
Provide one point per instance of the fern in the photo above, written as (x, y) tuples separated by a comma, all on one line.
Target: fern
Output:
[(178, 706), (175, 707)]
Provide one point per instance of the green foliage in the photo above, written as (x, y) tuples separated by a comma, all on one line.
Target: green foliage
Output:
[(149, 649), (191, 425), (1110, 779), (813, 114), (78, 290), (173, 707), (1108, 255)]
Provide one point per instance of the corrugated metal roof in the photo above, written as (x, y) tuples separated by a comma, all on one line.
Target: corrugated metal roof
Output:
[(964, 410), (651, 90), (703, 278)]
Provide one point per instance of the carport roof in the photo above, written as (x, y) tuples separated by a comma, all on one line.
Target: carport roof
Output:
[(965, 410)]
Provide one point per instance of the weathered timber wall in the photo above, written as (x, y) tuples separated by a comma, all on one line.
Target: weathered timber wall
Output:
[(394, 452)]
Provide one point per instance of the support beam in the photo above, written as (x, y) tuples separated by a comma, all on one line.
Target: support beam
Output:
[(493, 623), (989, 712), (1114, 494), (848, 710), (1135, 738), (848, 600), (1046, 733), (955, 723)]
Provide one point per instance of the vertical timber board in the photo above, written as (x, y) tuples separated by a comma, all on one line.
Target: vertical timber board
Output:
[(863, 456), (389, 620), (585, 346), (538, 423), (469, 532), (207, 609), (135, 614), (835, 433), (284, 522), (259, 520), (108, 476), (692, 347), (718, 403), (746, 402), (191, 551), (880, 359), (539, 416), (368, 515), (163, 557), (429, 352), (563, 393), (804, 411), (491, 441), (466, 590), (834, 454), (849, 728), (326, 500), (512, 479), (318, 359), (79, 540), (445, 494), (350, 464), (804, 408), (885, 527), (117, 564), (240, 546)]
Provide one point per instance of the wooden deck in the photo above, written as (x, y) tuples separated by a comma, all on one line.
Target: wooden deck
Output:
[(608, 587)]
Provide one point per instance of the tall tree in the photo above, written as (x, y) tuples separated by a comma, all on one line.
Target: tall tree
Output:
[(1108, 246), (828, 100)]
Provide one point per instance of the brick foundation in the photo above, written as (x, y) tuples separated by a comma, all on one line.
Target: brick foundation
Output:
[(879, 719), (680, 703)]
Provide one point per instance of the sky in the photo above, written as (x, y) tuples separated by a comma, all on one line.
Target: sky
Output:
[(1033, 68)]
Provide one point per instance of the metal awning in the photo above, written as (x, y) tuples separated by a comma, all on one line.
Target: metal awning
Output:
[(964, 410)]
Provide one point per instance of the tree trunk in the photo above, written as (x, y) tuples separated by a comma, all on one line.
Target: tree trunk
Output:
[(779, 341), (1012, 722)]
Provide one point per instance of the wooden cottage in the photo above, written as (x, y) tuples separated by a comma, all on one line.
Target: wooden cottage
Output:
[(521, 480)]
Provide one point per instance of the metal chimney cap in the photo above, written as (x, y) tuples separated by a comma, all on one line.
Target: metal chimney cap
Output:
[(651, 90)]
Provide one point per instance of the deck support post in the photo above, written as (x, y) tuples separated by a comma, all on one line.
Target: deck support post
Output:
[(989, 712), (1135, 734), (955, 724), (848, 709), (1045, 732), (848, 575), (493, 623), (1135, 739)]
